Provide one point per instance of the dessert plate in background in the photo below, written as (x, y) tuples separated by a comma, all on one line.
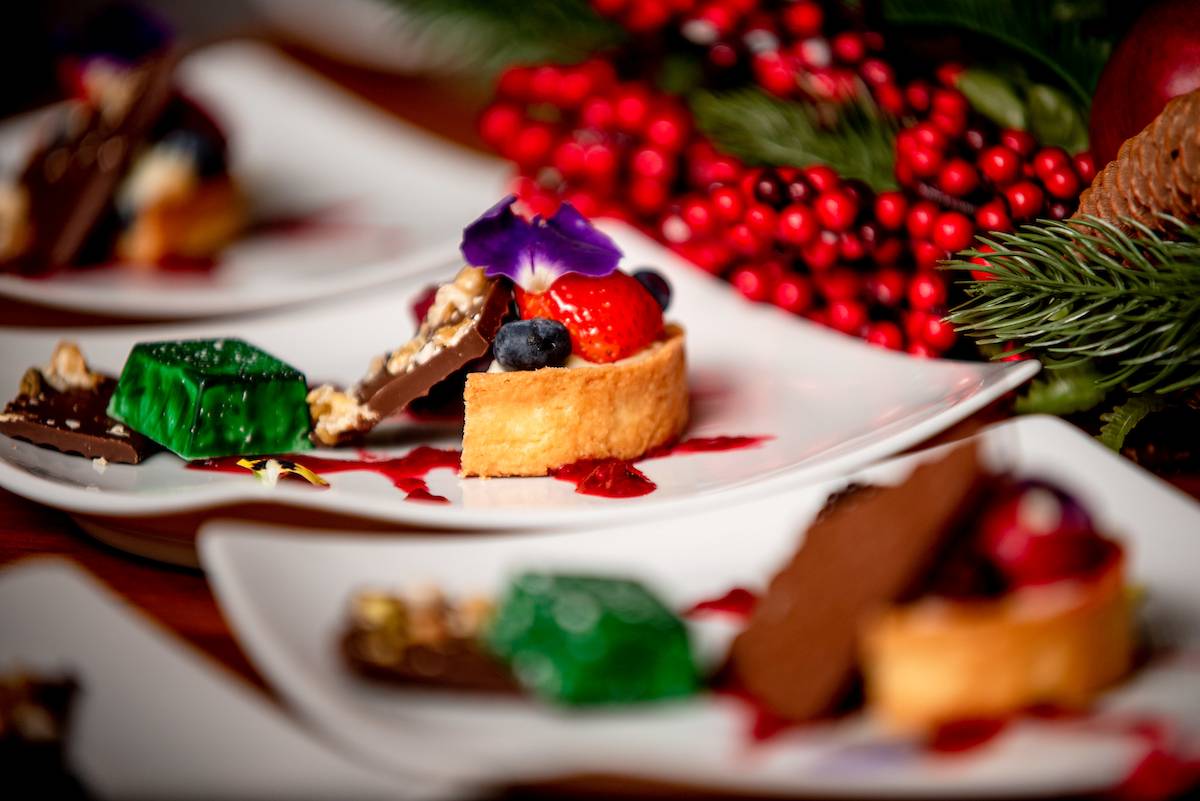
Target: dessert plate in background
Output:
[(827, 402), (347, 196), (151, 719), (286, 598)]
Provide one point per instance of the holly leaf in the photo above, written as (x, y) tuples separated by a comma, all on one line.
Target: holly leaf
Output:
[(1062, 391), (994, 97), (1055, 120)]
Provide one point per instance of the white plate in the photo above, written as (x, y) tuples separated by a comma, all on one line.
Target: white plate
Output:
[(381, 193), (286, 598), (153, 720), (830, 402)]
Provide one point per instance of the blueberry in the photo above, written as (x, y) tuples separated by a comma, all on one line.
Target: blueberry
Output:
[(656, 285), (532, 344)]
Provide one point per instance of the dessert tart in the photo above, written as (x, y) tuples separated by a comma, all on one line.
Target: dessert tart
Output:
[(563, 357), (956, 596), (128, 169), (936, 661), (525, 423)]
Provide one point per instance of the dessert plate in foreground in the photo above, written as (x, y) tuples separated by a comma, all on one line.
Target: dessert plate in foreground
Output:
[(153, 719), (289, 603), (822, 403), (340, 196)]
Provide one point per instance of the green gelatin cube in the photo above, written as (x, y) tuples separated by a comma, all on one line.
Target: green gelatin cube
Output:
[(212, 397), (588, 640)]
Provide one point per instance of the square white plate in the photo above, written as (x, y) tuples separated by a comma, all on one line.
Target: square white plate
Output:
[(286, 599), (830, 403), (378, 194), (153, 720)]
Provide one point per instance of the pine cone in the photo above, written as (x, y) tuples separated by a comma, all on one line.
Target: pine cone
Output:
[(1155, 172)]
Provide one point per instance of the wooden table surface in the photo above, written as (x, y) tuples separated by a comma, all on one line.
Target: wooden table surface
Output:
[(180, 599)]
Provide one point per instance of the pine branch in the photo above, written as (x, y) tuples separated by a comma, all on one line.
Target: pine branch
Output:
[(761, 129), (1124, 417), (1084, 291), (491, 34), (1050, 33)]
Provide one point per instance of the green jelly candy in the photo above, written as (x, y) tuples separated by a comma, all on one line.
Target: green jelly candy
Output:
[(212, 397), (587, 640)]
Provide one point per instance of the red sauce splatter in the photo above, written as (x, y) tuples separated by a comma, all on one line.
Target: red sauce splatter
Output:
[(1160, 774), (764, 723), (608, 478), (175, 263), (964, 735), (738, 602), (407, 473), (619, 478)]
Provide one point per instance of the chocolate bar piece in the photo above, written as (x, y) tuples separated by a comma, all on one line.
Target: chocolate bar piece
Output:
[(798, 653), (64, 406), (69, 183), (457, 330), (423, 641)]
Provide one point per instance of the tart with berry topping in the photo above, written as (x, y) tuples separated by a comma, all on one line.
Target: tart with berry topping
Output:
[(956, 596), (128, 169), (565, 356), (1055, 629)]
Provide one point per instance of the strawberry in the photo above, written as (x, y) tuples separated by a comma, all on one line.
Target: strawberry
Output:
[(608, 318)]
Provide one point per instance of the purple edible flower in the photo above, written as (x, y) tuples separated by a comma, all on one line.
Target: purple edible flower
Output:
[(535, 253)]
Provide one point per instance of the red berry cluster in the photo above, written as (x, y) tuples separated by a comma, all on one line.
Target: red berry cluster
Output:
[(805, 240), (578, 134), (803, 49), (815, 244), (964, 177)]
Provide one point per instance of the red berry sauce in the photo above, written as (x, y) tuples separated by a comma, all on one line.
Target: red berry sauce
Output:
[(619, 478), (407, 473), (964, 735), (608, 478), (739, 603)]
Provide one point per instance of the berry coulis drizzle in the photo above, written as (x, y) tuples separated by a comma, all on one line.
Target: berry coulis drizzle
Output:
[(738, 603), (407, 473), (609, 478), (620, 478)]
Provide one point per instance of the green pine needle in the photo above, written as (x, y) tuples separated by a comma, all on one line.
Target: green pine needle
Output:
[(1124, 418), (1050, 32), (491, 34), (1085, 291), (761, 129)]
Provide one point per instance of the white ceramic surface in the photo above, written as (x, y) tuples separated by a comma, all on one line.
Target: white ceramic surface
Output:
[(830, 402), (155, 720), (377, 195), (286, 600)]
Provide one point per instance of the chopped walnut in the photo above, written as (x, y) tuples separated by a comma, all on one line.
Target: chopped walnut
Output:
[(68, 369), (335, 413), (456, 307), (422, 616)]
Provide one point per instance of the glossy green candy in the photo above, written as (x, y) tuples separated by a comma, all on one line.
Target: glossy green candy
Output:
[(586, 640), (212, 397)]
